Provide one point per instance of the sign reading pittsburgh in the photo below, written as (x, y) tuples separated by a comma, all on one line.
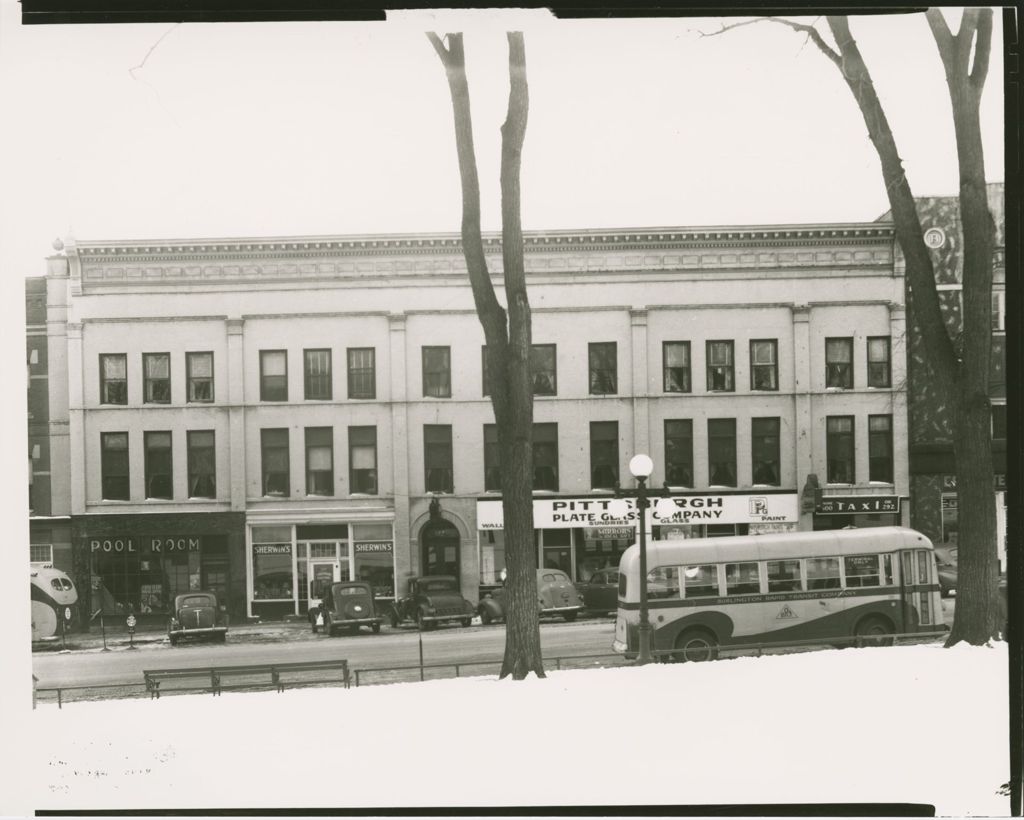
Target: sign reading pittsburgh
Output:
[(564, 513)]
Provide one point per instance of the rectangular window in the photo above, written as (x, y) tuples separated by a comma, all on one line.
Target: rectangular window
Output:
[(40, 553), (437, 372), (202, 464), (156, 378), (998, 421), (362, 375), (663, 582), (742, 579), (273, 375), (316, 374), (545, 456), (543, 370), (880, 448), (113, 378), (998, 310), (720, 365), (764, 364), (199, 376), (879, 367), (679, 452), (437, 458), (764, 451), (492, 459), (839, 363), (362, 460), (604, 376), (274, 448), (839, 449), (675, 357), (861, 570), (114, 465), (159, 483), (722, 452), (822, 573), (783, 576), (700, 581), (319, 461), (604, 454)]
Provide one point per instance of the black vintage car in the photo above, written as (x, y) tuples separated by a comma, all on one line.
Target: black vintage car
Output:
[(432, 599), (348, 605), (197, 615)]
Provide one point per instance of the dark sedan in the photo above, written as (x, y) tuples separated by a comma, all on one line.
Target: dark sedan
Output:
[(601, 592), (197, 615)]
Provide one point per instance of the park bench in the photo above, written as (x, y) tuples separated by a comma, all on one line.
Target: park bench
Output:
[(212, 678)]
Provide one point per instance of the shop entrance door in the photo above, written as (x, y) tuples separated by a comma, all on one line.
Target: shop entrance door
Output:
[(321, 575)]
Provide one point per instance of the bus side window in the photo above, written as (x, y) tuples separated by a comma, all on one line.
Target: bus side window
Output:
[(663, 582), (861, 570), (742, 579), (784, 576), (822, 573), (887, 578), (700, 581)]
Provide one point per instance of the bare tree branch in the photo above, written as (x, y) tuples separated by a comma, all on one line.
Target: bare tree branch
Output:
[(810, 31), (943, 38), (983, 50)]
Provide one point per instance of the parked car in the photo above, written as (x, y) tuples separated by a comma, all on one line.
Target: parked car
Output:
[(556, 595), (198, 615), (432, 600), (945, 559), (347, 605), (601, 592)]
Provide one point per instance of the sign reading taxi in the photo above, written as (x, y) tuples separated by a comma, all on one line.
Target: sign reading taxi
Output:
[(854, 504), (565, 513)]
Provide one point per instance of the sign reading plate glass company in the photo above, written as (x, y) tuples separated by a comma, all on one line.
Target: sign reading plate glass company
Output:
[(563, 513), (853, 504)]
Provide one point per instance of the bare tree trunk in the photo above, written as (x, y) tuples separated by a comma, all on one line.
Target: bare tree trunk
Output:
[(961, 368), (508, 339)]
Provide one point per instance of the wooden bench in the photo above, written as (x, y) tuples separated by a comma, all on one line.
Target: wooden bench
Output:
[(212, 677)]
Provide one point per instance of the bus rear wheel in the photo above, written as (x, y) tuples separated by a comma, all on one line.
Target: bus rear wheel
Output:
[(873, 631), (695, 645)]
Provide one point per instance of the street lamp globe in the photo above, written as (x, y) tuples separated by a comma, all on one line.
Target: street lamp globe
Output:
[(641, 466)]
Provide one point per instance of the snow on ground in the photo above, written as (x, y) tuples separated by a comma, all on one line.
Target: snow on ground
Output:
[(907, 724)]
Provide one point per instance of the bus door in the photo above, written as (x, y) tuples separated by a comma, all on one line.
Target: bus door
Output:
[(921, 606)]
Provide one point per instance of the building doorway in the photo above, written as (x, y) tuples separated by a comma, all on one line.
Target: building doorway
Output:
[(439, 545)]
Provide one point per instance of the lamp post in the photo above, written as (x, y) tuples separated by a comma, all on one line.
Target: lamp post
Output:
[(641, 468)]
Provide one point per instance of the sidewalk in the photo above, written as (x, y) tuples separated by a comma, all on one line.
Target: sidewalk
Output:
[(118, 637)]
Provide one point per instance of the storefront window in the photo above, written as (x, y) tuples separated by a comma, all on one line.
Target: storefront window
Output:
[(492, 557), (272, 563), (374, 557), (602, 547)]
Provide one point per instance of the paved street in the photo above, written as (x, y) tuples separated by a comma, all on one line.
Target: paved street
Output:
[(294, 642)]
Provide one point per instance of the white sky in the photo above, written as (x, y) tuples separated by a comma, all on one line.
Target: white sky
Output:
[(906, 724), (334, 128)]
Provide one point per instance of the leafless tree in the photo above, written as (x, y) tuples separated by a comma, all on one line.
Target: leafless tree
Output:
[(960, 364), (508, 336)]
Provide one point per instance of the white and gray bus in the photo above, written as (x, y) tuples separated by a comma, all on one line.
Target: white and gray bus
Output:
[(832, 585)]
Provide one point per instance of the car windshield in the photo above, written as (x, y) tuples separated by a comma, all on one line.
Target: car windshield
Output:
[(351, 590), (439, 585), (197, 600)]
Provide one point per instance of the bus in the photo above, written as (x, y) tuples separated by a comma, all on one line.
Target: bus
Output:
[(54, 603), (839, 586)]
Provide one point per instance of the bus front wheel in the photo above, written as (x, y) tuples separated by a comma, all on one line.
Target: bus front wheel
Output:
[(873, 631), (696, 645)]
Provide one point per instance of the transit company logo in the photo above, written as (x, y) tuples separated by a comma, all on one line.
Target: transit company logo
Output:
[(786, 613)]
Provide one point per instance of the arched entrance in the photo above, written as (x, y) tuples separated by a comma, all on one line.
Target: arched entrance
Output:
[(439, 547)]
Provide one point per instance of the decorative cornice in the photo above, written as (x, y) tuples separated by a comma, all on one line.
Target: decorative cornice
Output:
[(335, 259)]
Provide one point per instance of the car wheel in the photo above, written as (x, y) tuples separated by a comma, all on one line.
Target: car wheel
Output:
[(173, 639), (394, 618), (873, 631), (466, 621), (222, 637), (570, 616), (376, 629), (696, 645)]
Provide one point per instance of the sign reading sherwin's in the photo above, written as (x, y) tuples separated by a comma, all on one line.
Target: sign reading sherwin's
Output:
[(375, 546), (854, 504)]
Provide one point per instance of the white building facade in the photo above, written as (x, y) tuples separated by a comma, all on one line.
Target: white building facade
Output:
[(251, 414)]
